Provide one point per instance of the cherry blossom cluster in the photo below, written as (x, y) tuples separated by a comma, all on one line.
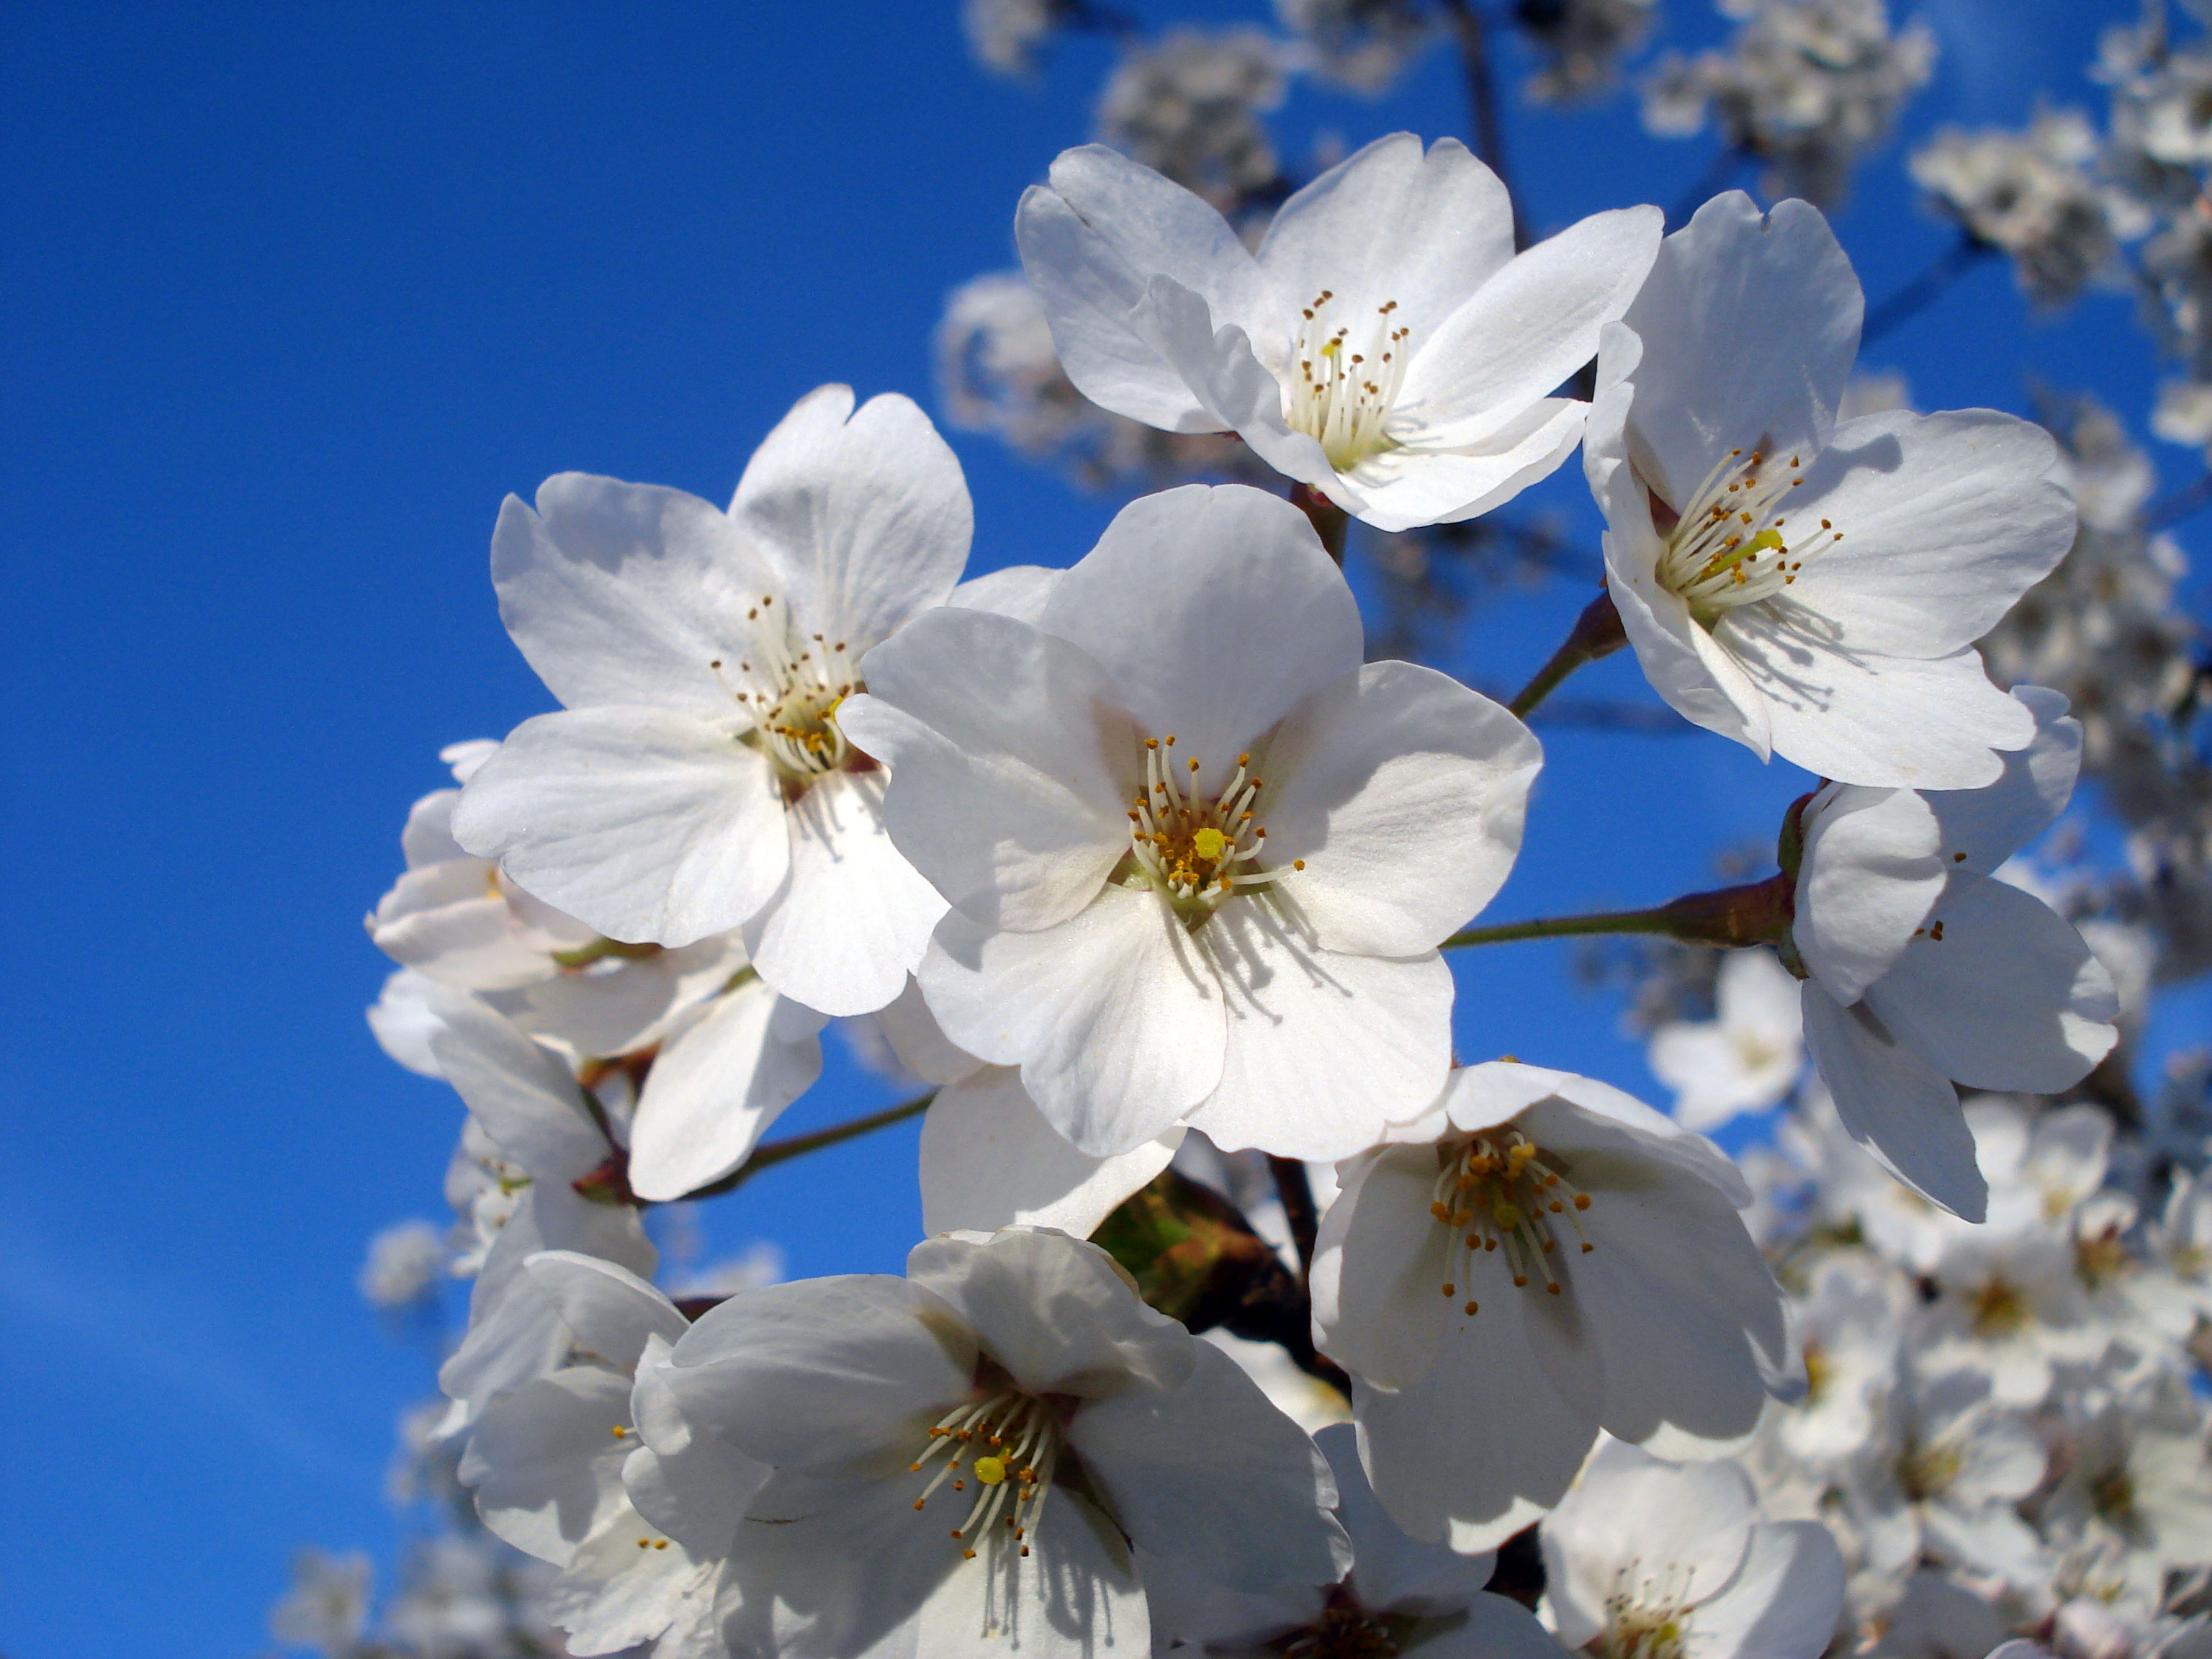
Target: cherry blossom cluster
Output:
[(1139, 864)]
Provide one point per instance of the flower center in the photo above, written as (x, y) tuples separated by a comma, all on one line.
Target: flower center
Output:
[(1647, 1617), (1349, 369), (1345, 1629), (1731, 546), (1501, 1191), (1926, 1472), (1197, 850), (791, 687), (1006, 1442)]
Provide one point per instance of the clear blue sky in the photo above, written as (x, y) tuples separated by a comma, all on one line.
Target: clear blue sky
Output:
[(291, 296)]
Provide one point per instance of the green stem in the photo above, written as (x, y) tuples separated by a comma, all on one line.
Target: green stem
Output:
[(1597, 633), (1608, 921), (773, 1152), (1757, 913)]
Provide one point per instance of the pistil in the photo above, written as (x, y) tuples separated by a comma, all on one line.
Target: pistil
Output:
[(1007, 1442), (1197, 850)]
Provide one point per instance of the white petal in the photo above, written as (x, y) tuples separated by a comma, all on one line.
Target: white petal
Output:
[(1946, 519), (1990, 825), (527, 1100), (646, 825), (1075, 1596), (865, 517), (1018, 591), (853, 917), (1392, 223), (1396, 1573), (428, 837), (1114, 1016), (1212, 1474), (622, 593), (1324, 1047), (1785, 1599), (1092, 241), (615, 1596), (1224, 373), (1002, 794), (1378, 1265), (404, 1016), (1058, 1314), (1895, 1104), (2008, 998), (718, 1083), (1749, 325), (1405, 794), (1421, 484), (543, 1458), (691, 1484), (1527, 329), (1213, 611), (1924, 723), (1480, 1447), (920, 1045), (990, 1159), (609, 1310), (830, 1375), (450, 921), (1873, 868)]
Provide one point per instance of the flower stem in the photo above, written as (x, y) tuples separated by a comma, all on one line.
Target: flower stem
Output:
[(773, 1152), (1597, 633), (1757, 913), (1329, 520)]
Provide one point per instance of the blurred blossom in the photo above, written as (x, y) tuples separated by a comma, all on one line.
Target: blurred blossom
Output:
[(405, 1260), (1008, 35), (2030, 193), (1580, 44), (327, 1605), (1807, 86), (1874, 392), (1188, 106), (1362, 44)]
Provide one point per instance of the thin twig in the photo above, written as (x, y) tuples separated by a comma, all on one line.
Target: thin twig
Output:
[(1607, 921), (1297, 1194), (781, 1152), (2172, 509), (1474, 35), (1924, 290)]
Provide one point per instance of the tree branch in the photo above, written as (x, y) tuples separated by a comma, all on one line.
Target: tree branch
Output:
[(1474, 36)]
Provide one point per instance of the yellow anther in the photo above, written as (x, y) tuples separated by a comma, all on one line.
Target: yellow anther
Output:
[(990, 1470), (1471, 1308), (1582, 1201)]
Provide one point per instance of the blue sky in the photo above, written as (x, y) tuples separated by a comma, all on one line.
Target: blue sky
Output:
[(289, 297)]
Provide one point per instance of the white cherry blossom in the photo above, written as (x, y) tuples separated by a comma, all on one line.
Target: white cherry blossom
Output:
[(1418, 1601), (697, 778), (1809, 589), (1384, 346), (1646, 1559), (964, 1457), (1925, 970), (1743, 1059), (546, 1462), (1540, 1257), (1199, 858)]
